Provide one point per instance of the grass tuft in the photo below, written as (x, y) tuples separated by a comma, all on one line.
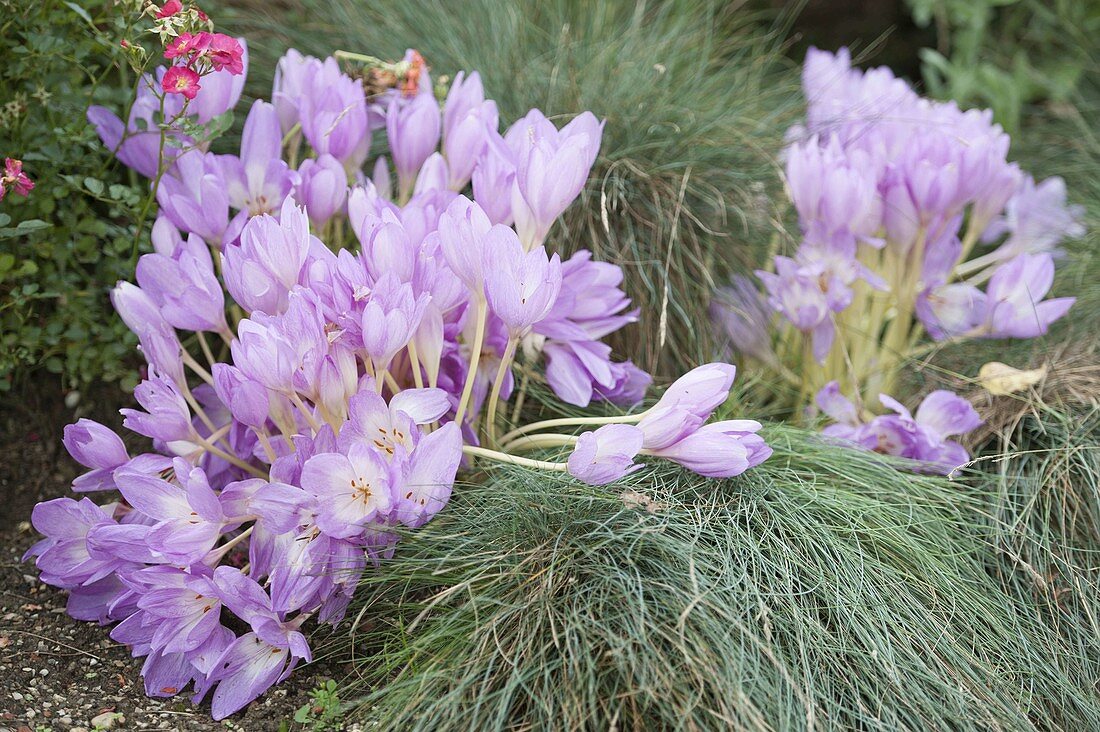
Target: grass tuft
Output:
[(823, 589)]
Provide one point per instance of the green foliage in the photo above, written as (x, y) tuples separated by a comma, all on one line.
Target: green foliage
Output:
[(695, 96), (324, 711), (64, 246), (1004, 54), (823, 589)]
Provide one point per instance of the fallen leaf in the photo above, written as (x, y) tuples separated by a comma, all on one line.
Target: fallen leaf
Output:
[(1000, 379)]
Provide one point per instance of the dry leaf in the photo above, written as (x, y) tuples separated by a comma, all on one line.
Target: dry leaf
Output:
[(999, 378)]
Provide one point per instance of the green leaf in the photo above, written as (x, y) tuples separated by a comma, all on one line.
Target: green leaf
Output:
[(81, 12), (94, 185)]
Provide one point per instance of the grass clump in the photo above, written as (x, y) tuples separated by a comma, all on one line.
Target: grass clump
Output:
[(811, 593), (696, 98)]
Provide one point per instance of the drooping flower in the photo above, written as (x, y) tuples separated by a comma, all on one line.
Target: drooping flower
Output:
[(97, 447), (1014, 298), (607, 454)]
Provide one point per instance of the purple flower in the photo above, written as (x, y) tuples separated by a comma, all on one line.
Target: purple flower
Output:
[(293, 74), (245, 398), (922, 439), (687, 404), (260, 271), (464, 231), (719, 449), (259, 659), (186, 289), (258, 181), (629, 386), (188, 516), (391, 429), (551, 169), (195, 196), (390, 318), (333, 113), (798, 293), (158, 340), (467, 121), (521, 287), (950, 311), (413, 131), (1036, 219), (62, 557), (97, 447), (352, 489), (833, 187), (494, 179), (264, 354), (166, 416), (323, 188), (606, 455), (427, 477), (1014, 298)]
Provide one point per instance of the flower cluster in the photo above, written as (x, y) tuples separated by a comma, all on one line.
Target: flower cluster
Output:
[(15, 179), (895, 194), (308, 401)]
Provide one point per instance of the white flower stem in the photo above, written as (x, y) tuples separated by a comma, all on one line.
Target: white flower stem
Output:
[(570, 422), (535, 442), (475, 356), (494, 396), (503, 457)]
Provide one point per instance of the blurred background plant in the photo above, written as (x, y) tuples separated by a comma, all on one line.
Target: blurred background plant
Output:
[(1005, 54), (62, 247)]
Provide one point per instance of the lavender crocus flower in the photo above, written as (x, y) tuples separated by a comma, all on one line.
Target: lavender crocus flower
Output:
[(551, 168), (194, 196), (413, 131), (188, 516), (467, 121), (166, 416), (259, 180), (62, 557), (97, 447), (352, 489), (158, 340), (260, 271), (923, 439), (258, 659), (494, 179), (390, 319), (333, 113), (607, 454), (323, 188), (520, 286), (720, 449), (1014, 298), (186, 290)]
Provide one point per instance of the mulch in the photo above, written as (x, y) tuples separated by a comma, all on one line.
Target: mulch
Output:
[(57, 673)]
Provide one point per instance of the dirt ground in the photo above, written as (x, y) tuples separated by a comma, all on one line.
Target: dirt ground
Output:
[(57, 673)]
